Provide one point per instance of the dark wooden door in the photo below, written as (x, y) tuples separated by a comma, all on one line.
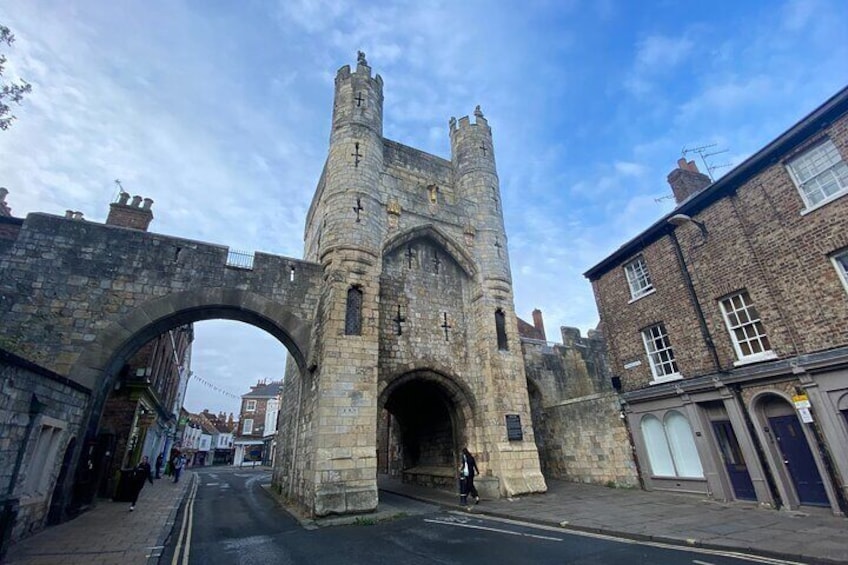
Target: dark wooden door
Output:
[(799, 460), (734, 461)]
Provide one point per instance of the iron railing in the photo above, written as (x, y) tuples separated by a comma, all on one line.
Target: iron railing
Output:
[(240, 259)]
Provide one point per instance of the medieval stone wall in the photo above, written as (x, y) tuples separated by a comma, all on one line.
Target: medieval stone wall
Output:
[(576, 414), (40, 413), (65, 280)]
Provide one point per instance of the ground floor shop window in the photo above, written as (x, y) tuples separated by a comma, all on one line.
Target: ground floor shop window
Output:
[(671, 446)]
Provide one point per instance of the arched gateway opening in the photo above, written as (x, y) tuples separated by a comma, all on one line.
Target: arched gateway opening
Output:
[(105, 361), (424, 421)]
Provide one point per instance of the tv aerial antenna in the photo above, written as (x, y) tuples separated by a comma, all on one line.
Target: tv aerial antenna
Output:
[(704, 152)]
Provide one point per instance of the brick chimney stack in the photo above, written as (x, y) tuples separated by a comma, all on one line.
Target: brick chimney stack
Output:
[(686, 180), (538, 323), (131, 215), (4, 208)]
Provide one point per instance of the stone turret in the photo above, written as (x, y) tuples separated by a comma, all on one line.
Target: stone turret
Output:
[(349, 199), (344, 234), (495, 339), (473, 159)]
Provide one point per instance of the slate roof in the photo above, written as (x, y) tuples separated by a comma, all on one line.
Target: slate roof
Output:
[(267, 390)]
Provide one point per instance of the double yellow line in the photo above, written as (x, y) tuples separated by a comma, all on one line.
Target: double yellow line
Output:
[(181, 552)]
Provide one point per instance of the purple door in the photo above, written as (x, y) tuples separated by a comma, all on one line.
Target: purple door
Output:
[(799, 460), (734, 462)]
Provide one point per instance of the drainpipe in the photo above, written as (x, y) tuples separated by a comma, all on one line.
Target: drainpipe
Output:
[(702, 322)]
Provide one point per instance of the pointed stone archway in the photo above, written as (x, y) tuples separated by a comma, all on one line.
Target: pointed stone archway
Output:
[(426, 418)]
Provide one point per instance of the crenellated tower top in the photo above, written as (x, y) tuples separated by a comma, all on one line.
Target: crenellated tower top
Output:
[(471, 144), (358, 98)]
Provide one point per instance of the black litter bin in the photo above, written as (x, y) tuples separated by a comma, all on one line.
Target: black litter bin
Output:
[(127, 483)]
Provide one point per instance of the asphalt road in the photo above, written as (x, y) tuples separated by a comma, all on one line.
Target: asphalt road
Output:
[(230, 519)]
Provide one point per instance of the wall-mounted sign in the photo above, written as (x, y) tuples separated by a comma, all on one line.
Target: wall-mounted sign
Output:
[(513, 427), (801, 401), (632, 364), (805, 414)]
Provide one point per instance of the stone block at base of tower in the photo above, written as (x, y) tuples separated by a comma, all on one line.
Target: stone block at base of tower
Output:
[(342, 499)]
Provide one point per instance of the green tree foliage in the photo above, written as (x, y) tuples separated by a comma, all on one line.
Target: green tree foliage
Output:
[(10, 92)]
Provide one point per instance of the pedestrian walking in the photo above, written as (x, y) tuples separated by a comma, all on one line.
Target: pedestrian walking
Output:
[(177, 466), (138, 476), (468, 470), (159, 460)]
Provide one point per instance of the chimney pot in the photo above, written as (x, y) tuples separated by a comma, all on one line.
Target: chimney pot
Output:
[(124, 197), (686, 180), (69, 214), (136, 201), (3, 192), (148, 202), (539, 323)]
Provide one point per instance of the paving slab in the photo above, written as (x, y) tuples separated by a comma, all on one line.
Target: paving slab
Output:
[(809, 537), (109, 533)]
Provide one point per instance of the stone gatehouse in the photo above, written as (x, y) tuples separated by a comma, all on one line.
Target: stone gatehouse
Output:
[(416, 338)]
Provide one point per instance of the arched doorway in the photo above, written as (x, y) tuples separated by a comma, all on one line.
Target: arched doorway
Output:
[(423, 426), (789, 446)]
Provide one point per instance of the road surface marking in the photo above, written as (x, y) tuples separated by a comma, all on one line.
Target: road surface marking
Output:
[(187, 516), (496, 530), (701, 550)]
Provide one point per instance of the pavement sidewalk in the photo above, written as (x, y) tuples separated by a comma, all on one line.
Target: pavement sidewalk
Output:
[(814, 536), (109, 533)]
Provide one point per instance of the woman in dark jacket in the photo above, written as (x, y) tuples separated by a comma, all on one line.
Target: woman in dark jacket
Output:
[(469, 469)]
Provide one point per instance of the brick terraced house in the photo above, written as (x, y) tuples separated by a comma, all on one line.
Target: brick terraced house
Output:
[(257, 426), (727, 325)]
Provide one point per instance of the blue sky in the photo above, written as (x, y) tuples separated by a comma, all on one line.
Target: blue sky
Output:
[(220, 112)]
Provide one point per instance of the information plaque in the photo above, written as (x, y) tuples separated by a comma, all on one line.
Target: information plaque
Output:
[(513, 427)]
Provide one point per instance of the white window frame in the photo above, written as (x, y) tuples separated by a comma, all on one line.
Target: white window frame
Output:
[(245, 429), (670, 446), (817, 168), (840, 263), (661, 359), (638, 278), (752, 328), (250, 406)]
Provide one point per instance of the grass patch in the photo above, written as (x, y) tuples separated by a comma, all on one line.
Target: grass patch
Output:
[(364, 521)]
